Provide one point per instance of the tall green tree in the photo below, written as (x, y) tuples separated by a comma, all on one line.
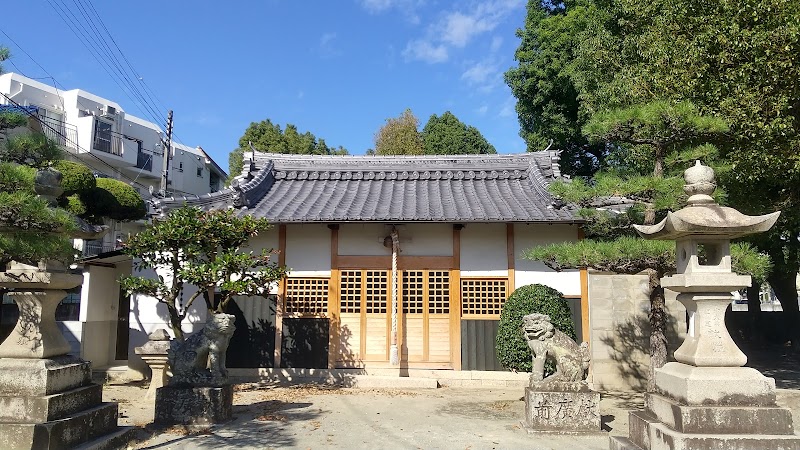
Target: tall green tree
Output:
[(191, 247), (446, 135), (548, 105), (267, 137), (399, 136), (733, 59)]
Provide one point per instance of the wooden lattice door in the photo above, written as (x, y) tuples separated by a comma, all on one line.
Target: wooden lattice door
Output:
[(364, 318), (425, 319)]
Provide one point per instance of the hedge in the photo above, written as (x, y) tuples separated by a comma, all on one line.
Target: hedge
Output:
[(75, 177), (115, 200), (512, 350)]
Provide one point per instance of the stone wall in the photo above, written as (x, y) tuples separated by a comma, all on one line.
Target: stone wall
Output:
[(620, 330)]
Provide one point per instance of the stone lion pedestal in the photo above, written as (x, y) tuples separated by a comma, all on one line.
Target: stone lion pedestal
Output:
[(562, 402), (47, 398), (198, 392), (706, 399)]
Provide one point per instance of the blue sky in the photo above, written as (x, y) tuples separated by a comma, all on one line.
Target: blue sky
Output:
[(338, 69)]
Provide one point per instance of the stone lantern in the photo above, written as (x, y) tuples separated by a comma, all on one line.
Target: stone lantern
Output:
[(706, 398), (47, 398)]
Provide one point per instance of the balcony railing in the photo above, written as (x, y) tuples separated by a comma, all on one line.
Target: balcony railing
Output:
[(144, 161), (108, 144), (61, 132), (95, 248)]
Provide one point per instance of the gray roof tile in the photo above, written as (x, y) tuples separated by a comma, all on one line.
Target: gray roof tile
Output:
[(462, 188)]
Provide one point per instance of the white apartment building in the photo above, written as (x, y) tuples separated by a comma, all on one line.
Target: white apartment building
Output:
[(99, 133), (112, 143)]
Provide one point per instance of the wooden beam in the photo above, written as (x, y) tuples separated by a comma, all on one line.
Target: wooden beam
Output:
[(403, 262), (279, 307), (585, 305), (455, 300), (510, 256), (333, 299)]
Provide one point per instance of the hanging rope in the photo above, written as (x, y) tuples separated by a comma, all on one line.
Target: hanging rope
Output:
[(394, 354)]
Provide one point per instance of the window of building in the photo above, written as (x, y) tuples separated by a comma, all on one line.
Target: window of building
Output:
[(200, 172), (102, 136), (483, 297), (306, 296)]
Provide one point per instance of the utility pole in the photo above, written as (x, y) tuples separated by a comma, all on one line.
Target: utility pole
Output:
[(167, 151)]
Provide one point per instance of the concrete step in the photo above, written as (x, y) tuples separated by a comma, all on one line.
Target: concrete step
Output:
[(639, 428), (118, 439), (39, 409), (63, 433), (621, 443), (378, 382)]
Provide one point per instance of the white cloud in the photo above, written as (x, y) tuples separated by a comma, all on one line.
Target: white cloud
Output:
[(509, 107), (408, 8), (481, 110), (479, 73), (458, 27), (327, 46), (497, 42), (425, 51)]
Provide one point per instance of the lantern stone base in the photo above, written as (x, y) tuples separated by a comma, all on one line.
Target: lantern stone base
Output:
[(573, 410), (193, 405), (52, 404), (710, 408)]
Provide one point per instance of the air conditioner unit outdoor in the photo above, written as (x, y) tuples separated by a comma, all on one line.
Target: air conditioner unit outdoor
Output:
[(109, 111)]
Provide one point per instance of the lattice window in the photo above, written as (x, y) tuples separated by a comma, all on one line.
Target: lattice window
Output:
[(413, 292), (377, 290), (306, 295), (483, 296), (350, 291), (438, 292)]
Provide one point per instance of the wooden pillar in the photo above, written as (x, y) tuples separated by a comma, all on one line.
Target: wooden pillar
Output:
[(280, 304), (333, 299), (510, 251), (455, 300), (585, 305), (584, 296)]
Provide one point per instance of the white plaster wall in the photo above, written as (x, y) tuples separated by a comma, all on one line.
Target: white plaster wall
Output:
[(415, 239), (532, 272), (483, 250), (99, 312), (147, 315), (363, 239), (426, 239), (308, 250), (183, 170)]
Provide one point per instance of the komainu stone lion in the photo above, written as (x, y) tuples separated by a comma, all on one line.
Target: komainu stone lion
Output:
[(200, 359), (548, 343)]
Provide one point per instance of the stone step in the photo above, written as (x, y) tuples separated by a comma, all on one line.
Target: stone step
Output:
[(63, 433), (32, 377), (39, 409), (639, 428), (720, 419), (621, 443), (118, 439), (663, 437)]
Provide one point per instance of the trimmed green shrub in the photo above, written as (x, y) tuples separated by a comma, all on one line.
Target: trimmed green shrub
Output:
[(512, 350), (75, 177), (14, 177), (115, 200), (73, 204)]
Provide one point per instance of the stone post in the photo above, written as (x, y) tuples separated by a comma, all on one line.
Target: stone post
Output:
[(154, 353)]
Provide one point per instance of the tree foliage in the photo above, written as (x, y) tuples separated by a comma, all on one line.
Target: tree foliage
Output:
[(446, 135), (114, 199), (30, 230), (734, 60), (205, 250), (400, 136), (512, 350), (268, 137)]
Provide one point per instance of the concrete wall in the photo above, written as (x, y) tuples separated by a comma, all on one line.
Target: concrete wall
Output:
[(620, 330)]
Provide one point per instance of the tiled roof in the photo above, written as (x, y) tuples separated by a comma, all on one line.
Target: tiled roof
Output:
[(462, 188)]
